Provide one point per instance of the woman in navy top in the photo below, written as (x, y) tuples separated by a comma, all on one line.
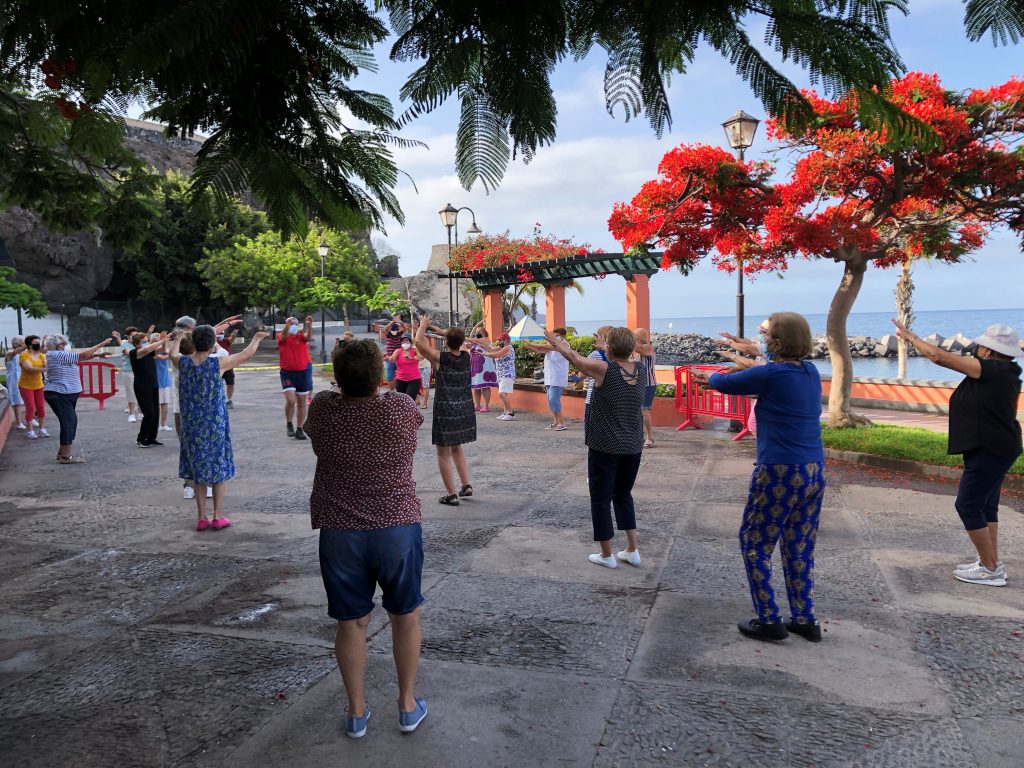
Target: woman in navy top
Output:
[(788, 482)]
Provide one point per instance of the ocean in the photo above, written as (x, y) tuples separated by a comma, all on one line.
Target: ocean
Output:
[(970, 322)]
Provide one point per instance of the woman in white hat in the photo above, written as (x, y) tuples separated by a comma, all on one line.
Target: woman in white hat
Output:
[(983, 427)]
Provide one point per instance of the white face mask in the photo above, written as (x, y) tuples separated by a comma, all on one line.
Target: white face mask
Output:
[(557, 337), (406, 345), (293, 329)]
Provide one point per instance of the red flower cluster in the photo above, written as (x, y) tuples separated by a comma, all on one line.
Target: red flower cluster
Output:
[(489, 251), (852, 187), (55, 71)]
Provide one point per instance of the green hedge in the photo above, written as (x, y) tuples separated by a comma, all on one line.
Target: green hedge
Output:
[(527, 360)]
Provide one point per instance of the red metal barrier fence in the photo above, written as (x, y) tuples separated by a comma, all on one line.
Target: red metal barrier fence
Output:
[(99, 380), (700, 400)]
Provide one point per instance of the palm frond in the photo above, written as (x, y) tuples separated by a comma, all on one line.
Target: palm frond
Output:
[(1003, 18)]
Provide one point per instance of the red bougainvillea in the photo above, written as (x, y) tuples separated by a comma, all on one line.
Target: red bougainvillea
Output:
[(854, 195), (503, 250)]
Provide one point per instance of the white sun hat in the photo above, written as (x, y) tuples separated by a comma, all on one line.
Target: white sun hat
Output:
[(1002, 339)]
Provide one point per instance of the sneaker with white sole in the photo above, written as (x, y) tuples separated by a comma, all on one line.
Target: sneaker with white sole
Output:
[(982, 575), (607, 562), (189, 492), (35, 422), (355, 727), (976, 563), (43, 432), (633, 558), (31, 434), (132, 419), (410, 721), (21, 426)]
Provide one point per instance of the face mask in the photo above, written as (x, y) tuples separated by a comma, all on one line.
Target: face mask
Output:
[(220, 337), (293, 329), (557, 337), (36, 346), (406, 345)]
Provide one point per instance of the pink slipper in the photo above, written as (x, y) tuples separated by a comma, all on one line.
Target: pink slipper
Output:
[(220, 522), (485, 409), (203, 525)]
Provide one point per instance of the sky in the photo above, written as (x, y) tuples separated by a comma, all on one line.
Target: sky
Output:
[(597, 160)]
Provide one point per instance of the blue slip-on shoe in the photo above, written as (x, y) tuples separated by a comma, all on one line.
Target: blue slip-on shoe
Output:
[(410, 721), (355, 727)]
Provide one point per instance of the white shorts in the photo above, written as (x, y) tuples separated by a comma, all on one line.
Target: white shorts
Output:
[(128, 385), (505, 386), (165, 395)]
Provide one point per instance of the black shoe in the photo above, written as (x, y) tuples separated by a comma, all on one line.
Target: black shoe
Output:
[(809, 632), (156, 442), (299, 434), (142, 444), (776, 630), (291, 430)]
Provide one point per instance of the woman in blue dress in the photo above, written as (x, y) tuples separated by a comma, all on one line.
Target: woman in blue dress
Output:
[(206, 458)]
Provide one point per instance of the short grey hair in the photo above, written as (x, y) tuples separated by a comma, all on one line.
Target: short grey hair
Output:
[(185, 323), (16, 340), (54, 339)]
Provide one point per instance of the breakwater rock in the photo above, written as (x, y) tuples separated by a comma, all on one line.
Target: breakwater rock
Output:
[(680, 348)]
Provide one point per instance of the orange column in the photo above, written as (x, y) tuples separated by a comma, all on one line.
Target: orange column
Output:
[(554, 306), (493, 310), (638, 302)]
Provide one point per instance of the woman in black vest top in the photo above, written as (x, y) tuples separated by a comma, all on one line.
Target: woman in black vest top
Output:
[(615, 436)]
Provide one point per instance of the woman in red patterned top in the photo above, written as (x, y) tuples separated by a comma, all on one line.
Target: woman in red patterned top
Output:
[(364, 503)]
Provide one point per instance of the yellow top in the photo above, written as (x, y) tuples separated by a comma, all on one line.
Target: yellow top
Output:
[(30, 379)]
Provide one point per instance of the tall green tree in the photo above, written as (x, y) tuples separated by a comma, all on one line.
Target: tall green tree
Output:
[(269, 270), (19, 295), (161, 263)]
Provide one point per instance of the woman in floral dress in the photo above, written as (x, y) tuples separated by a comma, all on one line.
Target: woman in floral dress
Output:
[(206, 458)]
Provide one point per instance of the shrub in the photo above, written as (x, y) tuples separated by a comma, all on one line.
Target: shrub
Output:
[(527, 359)]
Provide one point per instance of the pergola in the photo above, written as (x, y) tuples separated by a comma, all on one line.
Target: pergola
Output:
[(555, 274)]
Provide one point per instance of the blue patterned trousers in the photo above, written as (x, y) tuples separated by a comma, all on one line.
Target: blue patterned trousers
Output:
[(785, 501)]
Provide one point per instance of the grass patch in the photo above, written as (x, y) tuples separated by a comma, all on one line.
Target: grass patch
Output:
[(899, 442)]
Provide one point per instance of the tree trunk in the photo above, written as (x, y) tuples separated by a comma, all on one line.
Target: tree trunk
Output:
[(344, 310), (904, 313), (839, 414)]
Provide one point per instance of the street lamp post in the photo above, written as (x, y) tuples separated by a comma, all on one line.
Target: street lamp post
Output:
[(739, 132), (450, 220), (323, 249)]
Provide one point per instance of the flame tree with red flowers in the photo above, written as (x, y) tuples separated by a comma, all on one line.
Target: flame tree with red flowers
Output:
[(855, 196)]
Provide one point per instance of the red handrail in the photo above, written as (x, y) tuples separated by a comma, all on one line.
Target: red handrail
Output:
[(703, 401)]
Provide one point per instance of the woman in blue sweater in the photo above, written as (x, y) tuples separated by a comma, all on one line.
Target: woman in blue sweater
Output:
[(788, 481)]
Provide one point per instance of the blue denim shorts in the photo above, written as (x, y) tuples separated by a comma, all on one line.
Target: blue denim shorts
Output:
[(649, 394), (555, 399), (353, 563)]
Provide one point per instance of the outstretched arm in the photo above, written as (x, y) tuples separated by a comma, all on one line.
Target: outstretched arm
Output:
[(156, 346), (589, 366), (969, 366), (89, 353), (423, 346), (174, 352), (231, 361)]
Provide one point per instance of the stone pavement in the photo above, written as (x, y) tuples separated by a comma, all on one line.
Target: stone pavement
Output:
[(128, 639)]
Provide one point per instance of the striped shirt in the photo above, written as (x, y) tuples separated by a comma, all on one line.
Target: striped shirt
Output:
[(648, 361), (614, 421), (597, 354), (62, 373)]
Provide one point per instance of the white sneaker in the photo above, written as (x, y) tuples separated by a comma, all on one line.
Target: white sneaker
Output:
[(43, 432), (505, 417), (607, 562), (976, 563), (31, 434), (21, 426), (167, 428), (633, 558), (132, 419), (982, 575), (127, 410), (35, 422), (190, 492), (209, 491)]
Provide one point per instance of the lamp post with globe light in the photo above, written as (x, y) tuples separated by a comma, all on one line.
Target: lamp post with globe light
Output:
[(323, 249), (739, 132), (450, 220)]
